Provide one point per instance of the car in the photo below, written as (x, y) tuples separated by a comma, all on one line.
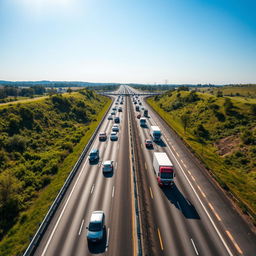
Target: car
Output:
[(113, 136), (121, 103), (96, 227), (110, 117), (115, 128), (142, 108), (102, 136), (114, 108), (94, 155), (113, 113), (117, 120), (139, 116), (120, 109), (107, 166), (116, 103), (148, 143), (140, 103)]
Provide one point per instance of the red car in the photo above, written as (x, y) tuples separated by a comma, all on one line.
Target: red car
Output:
[(148, 143), (139, 116)]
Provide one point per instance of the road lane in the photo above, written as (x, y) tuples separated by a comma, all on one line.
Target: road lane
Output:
[(93, 191)]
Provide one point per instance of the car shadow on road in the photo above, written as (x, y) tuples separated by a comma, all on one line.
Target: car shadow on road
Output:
[(108, 174), (181, 203), (160, 143), (99, 247)]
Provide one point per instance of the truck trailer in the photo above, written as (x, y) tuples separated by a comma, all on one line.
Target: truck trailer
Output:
[(163, 168)]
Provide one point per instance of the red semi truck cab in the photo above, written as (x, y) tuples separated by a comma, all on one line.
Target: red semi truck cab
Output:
[(163, 168)]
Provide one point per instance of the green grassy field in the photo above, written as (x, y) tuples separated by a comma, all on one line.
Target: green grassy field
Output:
[(37, 196), (247, 91), (221, 132)]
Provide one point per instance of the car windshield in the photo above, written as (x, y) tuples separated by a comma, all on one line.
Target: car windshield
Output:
[(148, 141), (95, 226), (167, 175), (107, 166), (93, 154)]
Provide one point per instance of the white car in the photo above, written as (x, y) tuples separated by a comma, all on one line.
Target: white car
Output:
[(107, 166), (113, 136), (110, 117)]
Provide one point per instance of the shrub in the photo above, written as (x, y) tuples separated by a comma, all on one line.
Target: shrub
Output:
[(248, 137), (16, 143), (201, 132)]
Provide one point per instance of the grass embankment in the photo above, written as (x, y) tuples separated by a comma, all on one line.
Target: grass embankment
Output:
[(247, 91), (43, 152), (221, 132)]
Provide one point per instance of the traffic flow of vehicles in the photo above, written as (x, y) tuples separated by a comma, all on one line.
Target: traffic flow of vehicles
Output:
[(155, 133), (163, 168)]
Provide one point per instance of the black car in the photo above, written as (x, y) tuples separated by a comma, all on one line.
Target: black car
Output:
[(94, 155), (117, 120)]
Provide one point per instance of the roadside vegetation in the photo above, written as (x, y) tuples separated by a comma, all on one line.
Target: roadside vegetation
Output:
[(245, 91), (221, 131), (40, 141)]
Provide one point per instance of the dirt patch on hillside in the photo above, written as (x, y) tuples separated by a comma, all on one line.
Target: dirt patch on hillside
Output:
[(227, 145)]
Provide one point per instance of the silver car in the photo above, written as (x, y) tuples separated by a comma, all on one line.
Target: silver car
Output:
[(96, 226), (113, 136)]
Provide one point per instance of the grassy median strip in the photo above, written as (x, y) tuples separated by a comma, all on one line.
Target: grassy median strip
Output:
[(19, 235), (220, 131)]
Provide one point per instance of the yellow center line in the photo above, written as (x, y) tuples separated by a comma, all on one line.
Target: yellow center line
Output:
[(217, 216), (189, 172), (234, 242), (160, 239), (201, 191), (151, 192)]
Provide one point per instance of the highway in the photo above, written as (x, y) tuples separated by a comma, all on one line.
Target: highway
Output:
[(192, 218), (91, 191)]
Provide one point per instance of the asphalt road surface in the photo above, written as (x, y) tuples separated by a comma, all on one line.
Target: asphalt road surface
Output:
[(195, 217)]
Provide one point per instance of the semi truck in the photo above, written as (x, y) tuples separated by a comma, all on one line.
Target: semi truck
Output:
[(163, 168), (155, 133)]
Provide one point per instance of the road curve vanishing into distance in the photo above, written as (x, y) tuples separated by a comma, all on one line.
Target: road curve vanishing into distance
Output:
[(192, 218)]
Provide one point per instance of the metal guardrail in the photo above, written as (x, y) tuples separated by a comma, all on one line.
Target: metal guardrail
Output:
[(47, 219)]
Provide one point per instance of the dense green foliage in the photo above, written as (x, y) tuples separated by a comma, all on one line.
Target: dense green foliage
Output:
[(35, 139), (16, 92), (221, 131)]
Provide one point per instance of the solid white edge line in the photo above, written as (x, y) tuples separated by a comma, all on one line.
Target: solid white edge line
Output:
[(207, 213), (194, 246), (62, 212), (80, 230)]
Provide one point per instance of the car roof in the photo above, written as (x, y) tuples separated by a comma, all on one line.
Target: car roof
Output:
[(94, 150), (97, 216), (107, 162), (113, 133)]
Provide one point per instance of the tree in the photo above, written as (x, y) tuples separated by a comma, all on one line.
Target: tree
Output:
[(69, 90), (185, 121)]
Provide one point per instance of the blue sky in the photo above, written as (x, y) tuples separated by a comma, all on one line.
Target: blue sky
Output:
[(144, 41)]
